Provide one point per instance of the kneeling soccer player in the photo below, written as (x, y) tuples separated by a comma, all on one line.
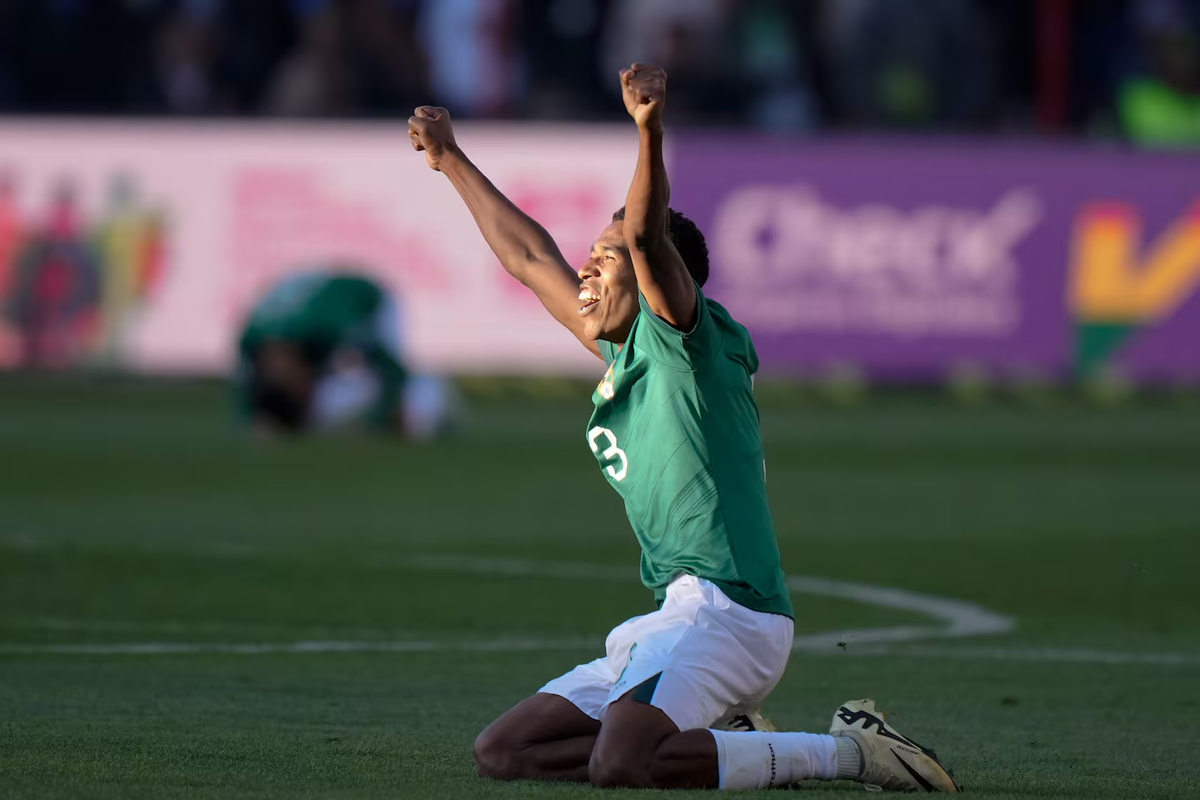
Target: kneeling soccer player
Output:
[(320, 352), (675, 431)]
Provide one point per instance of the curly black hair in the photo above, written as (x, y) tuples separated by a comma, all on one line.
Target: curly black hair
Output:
[(688, 240)]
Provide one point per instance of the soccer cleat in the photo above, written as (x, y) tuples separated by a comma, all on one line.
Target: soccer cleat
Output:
[(745, 722), (890, 760)]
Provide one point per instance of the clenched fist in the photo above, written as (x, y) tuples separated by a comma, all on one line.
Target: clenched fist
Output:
[(430, 130), (645, 91)]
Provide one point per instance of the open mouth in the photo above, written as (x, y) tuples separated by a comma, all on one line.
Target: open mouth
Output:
[(590, 300)]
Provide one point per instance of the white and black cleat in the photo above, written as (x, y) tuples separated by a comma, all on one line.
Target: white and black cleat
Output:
[(891, 761), (745, 722)]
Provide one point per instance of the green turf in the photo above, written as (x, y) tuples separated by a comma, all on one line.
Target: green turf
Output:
[(130, 514)]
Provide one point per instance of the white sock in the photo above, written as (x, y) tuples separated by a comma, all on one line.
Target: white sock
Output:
[(762, 760)]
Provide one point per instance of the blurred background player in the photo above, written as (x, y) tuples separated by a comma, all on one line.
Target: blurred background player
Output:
[(321, 352)]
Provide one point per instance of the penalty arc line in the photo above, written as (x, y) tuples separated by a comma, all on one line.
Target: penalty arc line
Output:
[(958, 618)]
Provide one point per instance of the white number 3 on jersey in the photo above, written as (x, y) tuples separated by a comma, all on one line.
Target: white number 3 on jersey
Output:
[(611, 452)]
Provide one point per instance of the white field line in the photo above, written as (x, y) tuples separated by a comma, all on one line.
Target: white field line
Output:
[(1026, 654), (958, 619)]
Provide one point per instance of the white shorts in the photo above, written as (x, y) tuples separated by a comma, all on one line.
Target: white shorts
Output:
[(699, 658), (431, 405)]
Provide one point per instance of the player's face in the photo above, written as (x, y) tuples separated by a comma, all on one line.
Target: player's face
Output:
[(608, 291)]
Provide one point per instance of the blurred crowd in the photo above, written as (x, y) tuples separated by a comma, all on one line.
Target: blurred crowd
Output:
[(1103, 67)]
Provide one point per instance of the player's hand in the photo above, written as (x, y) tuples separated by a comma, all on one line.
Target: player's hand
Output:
[(430, 130), (645, 91)]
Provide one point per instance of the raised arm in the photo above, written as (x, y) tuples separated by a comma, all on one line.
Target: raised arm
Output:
[(662, 276), (522, 245)]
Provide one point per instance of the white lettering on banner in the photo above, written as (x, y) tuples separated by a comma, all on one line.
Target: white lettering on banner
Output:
[(612, 451), (796, 260)]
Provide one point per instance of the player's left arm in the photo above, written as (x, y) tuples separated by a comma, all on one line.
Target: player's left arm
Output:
[(662, 276)]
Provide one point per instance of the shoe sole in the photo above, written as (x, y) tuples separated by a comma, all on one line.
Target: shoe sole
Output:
[(930, 774)]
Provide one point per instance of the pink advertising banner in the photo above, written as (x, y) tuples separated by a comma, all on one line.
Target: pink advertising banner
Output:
[(142, 247)]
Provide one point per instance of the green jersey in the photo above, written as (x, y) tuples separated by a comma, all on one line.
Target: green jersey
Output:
[(325, 314), (675, 429)]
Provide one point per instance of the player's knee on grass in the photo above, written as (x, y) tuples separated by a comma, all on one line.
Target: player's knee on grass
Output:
[(608, 772), (508, 748), (680, 761), (628, 751), (495, 757)]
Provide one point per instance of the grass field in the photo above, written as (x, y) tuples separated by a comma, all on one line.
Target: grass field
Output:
[(157, 575)]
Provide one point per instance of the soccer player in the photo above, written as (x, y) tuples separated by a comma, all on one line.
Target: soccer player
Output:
[(675, 432), (320, 352)]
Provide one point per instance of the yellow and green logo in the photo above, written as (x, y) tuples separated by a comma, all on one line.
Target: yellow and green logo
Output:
[(1121, 284)]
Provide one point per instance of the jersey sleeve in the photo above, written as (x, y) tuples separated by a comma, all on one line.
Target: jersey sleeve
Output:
[(666, 344)]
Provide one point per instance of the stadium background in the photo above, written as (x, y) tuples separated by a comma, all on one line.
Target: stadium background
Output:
[(965, 235)]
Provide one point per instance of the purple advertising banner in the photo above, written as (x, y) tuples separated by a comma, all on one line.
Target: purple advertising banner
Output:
[(910, 261)]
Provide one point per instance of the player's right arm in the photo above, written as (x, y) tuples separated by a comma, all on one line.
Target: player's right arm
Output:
[(522, 245)]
